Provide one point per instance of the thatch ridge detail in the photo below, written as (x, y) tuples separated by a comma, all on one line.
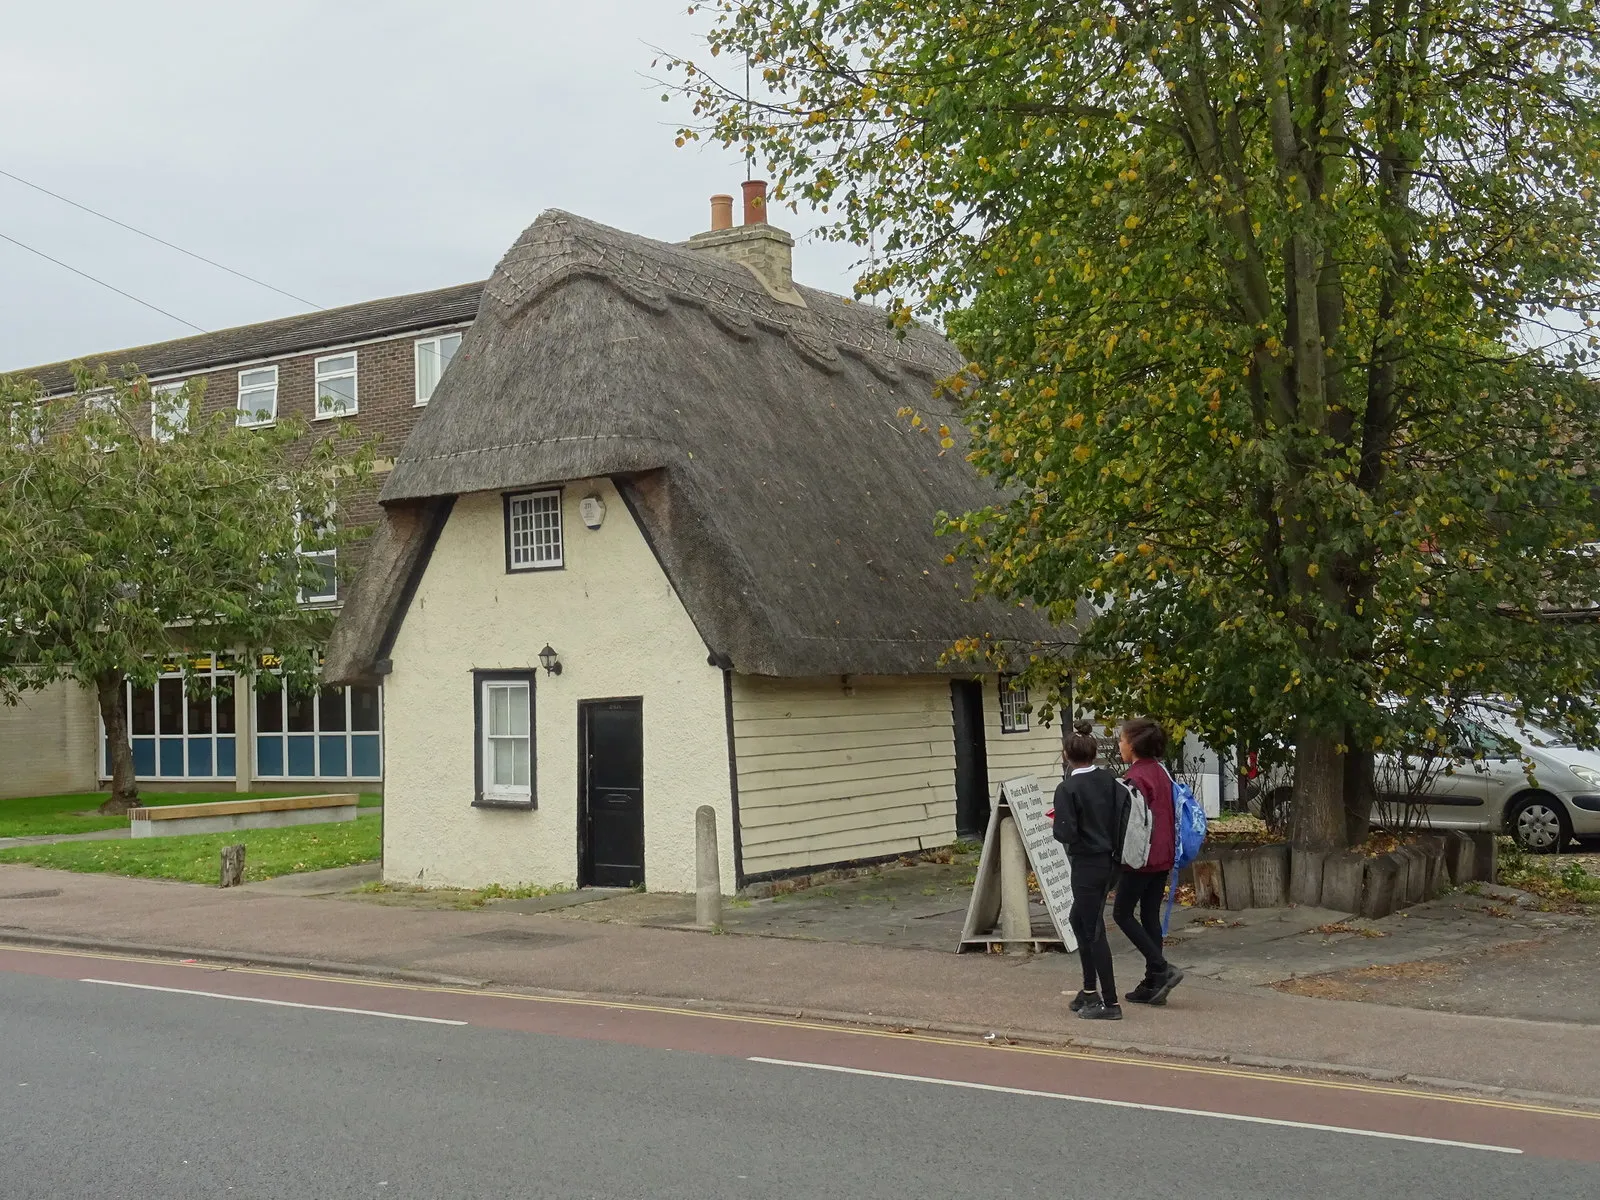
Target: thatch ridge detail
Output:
[(758, 449)]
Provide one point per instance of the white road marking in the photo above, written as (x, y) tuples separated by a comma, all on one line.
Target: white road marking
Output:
[(1155, 1108), (360, 1012)]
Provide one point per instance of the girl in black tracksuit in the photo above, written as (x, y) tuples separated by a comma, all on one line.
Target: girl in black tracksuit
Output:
[(1086, 822)]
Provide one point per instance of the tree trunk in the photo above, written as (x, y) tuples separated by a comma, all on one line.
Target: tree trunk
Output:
[(1360, 795), (114, 712), (1317, 821), (232, 864)]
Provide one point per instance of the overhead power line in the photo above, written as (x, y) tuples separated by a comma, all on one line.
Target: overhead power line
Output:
[(103, 283), (163, 241)]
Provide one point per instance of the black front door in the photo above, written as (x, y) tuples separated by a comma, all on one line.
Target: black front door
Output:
[(972, 758), (611, 817)]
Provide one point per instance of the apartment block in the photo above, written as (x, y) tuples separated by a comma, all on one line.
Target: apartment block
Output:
[(372, 365)]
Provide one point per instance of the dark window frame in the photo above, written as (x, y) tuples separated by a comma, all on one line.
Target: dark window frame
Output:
[(505, 525), (530, 676)]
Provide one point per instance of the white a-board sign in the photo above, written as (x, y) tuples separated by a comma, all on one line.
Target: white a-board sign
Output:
[(1024, 802)]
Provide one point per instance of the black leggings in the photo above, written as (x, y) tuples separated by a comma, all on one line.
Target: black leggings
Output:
[(1091, 880), (1144, 891)]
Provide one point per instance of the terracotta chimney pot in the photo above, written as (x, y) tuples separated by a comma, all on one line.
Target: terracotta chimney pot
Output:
[(762, 248), (755, 201)]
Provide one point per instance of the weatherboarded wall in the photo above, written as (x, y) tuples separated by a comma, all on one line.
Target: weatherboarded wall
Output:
[(47, 743), (620, 630), (831, 771), (1036, 752)]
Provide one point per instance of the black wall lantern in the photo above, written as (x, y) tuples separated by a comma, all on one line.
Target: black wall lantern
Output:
[(549, 661)]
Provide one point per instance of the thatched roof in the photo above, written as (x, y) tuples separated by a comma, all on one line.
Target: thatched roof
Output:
[(756, 442), (277, 339)]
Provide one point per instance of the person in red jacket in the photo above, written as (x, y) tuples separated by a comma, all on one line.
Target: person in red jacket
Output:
[(1143, 742)]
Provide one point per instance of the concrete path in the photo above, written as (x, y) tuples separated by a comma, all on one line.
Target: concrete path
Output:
[(332, 882), (50, 839), (107, 835), (978, 993)]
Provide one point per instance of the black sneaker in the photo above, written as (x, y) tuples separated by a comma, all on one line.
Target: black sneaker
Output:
[(1101, 1012), (1142, 993), (1082, 999), (1169, 981)]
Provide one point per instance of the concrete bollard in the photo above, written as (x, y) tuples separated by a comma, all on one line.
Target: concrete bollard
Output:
[(1342, 878), (1383, 886), (1269, 876), (1238, 888), (1016, 924), (1305, 877), (1438, 875), (1486, 855), (707, 868), (1209, 891), (1460, 857), (1416, 873)]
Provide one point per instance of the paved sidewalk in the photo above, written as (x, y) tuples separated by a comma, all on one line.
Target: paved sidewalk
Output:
[(1004, 994), (1481, 953)]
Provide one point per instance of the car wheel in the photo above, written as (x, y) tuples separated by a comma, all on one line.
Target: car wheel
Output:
[(1539, 824)]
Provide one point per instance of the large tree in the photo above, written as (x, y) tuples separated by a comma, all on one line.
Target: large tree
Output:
[(136, 529), (1278, 323)]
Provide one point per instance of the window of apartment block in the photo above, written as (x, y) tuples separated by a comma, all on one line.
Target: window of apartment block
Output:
[(99, 402), (336, 385), (503, 721), (433, 356), (258, 396), (533, 531), (182, 732), (26, 426), (325, 588), (1013, 705), (169, 414), (332, 733)]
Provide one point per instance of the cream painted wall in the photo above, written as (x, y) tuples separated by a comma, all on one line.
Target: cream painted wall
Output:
[(48, 742), (827, 775), (620, 630)]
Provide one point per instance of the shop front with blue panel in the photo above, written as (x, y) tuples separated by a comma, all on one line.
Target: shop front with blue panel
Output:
[(195, 731)]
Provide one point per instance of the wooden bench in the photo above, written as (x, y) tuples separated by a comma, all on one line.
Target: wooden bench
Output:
[(222, 816)]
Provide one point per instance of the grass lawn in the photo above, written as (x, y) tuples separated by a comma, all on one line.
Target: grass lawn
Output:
[(194, 859), (29, 816)]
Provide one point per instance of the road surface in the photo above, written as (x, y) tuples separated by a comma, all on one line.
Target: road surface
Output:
[(132, 1078)]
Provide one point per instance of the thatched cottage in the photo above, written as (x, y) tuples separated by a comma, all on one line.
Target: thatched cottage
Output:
[(660, 540)]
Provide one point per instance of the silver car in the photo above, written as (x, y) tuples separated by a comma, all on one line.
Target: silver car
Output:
[(1544, 808), (1544, 797)]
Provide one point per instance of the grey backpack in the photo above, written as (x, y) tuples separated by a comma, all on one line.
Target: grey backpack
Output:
[(1136, 826)]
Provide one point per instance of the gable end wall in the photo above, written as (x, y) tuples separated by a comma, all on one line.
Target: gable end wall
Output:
[(620, 631)]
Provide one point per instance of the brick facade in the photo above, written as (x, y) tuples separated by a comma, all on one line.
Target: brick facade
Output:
[(50, 743), (386, 407)]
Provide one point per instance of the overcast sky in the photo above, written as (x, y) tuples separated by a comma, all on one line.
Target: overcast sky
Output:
[(341, 150)]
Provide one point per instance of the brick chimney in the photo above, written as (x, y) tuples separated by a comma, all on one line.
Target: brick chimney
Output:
[(765, 249)]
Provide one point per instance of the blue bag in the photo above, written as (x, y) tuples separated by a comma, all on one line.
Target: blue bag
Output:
[(1190, 835)]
